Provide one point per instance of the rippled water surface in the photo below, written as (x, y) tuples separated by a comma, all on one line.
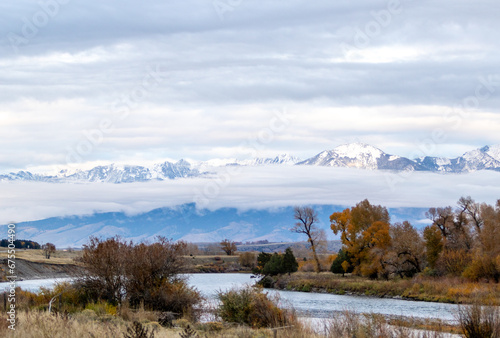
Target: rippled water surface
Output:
[(316, 305)]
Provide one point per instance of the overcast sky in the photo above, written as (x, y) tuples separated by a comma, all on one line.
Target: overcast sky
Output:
[(128, 81)]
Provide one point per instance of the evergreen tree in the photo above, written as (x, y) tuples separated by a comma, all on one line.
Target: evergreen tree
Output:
[(337, 263), (289, 262), (274, 266), (262, 260)]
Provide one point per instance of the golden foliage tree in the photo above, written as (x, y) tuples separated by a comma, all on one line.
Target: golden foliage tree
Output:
[(364, 231)]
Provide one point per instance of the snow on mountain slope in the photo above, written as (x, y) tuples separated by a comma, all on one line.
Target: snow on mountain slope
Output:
[(354, 155), (363, 156), (357, 155), (493, 151), (486, 158), (282, 159)]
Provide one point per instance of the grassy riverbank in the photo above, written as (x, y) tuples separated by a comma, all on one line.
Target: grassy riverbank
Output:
[(446, 290)]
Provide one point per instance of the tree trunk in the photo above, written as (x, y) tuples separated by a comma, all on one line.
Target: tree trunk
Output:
[(315, 256)]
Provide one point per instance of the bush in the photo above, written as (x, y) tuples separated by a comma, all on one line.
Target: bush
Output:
[(176, 297), (251, 306), (142, 274), (482, 267), (102, 308), (248, 259), (478, 321)]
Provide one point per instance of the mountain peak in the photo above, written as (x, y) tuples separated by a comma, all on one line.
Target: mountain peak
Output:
[(354, 155), (356, 149)]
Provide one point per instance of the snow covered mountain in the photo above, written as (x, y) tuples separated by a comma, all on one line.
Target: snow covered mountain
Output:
[(486, 158), (363, 156), (282, 159), (354, 155), (112, 174)]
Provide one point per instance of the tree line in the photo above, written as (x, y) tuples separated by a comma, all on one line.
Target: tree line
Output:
[(461, 241), (20, 244)]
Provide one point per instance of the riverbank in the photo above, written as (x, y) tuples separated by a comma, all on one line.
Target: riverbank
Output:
[(29, 270), (430, 289), (32, 264)]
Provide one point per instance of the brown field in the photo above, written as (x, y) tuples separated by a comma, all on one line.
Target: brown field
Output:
[(32, 255)]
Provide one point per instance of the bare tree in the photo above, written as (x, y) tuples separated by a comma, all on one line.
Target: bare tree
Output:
[(48, 249), (228, 247), (306, 224)]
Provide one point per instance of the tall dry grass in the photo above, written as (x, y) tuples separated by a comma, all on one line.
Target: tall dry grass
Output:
[(479, 321), (348, 324)]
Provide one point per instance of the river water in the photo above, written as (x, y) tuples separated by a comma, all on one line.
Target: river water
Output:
[(313, 305)]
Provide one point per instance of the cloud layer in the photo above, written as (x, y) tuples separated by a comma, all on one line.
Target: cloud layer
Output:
[(152, 80), (248, 188)]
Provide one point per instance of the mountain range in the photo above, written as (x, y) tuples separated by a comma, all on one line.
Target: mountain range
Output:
[(355, 155), (186, 222)]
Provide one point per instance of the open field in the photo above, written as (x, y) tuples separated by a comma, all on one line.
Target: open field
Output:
[(32, 255)]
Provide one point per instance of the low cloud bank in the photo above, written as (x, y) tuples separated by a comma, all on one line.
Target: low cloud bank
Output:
[(248, 188)]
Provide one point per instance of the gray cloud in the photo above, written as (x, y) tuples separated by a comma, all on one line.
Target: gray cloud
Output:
[(221, 79)]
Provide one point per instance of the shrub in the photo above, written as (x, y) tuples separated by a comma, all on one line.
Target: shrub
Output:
[(137, 330), (248, 259), (252, 307), (176, 297), (454, 262), (479, 321), (482, 267), (102, 308), (306, 266), (141, 274)]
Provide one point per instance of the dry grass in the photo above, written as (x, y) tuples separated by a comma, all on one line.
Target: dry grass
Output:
[(448, 290), (32, 255), (35, 324), (348, 324), (199, 259)]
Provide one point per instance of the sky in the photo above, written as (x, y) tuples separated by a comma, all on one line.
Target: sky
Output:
[(88, 82), (126, 81)]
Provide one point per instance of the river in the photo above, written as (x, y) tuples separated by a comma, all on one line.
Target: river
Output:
[(313, 305)]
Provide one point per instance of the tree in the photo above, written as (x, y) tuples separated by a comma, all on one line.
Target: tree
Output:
[(433, 244), (274, 266), (105, 261), (338, 263), (142, 273), (455, 226), (228, 247), (262, 259), (407, 252), (364, 231), (307, 219), (289, 262), (48, 249)]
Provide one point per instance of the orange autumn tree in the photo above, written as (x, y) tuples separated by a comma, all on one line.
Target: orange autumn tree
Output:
[(364, 231)]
